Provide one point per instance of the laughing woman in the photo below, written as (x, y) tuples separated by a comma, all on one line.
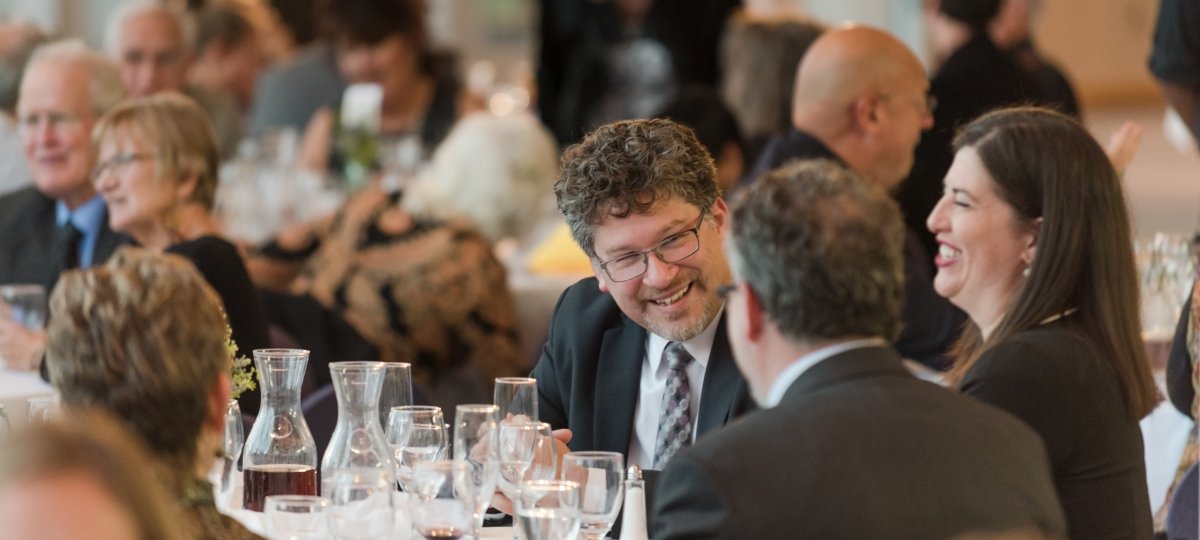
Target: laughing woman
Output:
[(1034, 245), (157, 172)]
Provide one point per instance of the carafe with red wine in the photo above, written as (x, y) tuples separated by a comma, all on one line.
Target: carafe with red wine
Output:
[(280, 457)]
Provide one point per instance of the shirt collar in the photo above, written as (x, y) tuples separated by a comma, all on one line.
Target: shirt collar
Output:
[(789, 375), (700, 346), (87, 217)]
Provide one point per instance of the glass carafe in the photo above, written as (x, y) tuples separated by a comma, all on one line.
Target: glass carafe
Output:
[(357, 441), (280, 457)]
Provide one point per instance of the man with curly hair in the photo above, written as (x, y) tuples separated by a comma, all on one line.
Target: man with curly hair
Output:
[(637, 360)]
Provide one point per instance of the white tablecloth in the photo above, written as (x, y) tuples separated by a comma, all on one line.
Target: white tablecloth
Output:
[(18, 386)]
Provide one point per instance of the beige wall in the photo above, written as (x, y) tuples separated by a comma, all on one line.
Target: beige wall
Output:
[(1103, 45)]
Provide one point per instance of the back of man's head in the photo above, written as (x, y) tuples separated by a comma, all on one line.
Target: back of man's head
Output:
[(822, 248)]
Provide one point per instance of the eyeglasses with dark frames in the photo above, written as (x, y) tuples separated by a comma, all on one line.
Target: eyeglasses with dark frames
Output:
[(673, 249)]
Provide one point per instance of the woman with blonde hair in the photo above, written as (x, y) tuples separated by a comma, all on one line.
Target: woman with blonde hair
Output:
[(157, 171)]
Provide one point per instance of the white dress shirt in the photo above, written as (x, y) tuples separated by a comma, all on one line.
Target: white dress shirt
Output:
[(654, 383), (789, 375)]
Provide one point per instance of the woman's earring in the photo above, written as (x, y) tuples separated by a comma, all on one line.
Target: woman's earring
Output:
[(1025, 272)]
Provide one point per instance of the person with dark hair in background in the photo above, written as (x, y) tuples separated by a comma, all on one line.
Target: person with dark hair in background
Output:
[(1175, 58), (972, 77), (1011, 31), (228, 52), (385, 43), (1032, 206), (702, 110), (605, 61)]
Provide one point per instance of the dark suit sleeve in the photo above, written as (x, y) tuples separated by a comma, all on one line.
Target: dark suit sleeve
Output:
[(552, 408), (687, 504), (1179, 364)]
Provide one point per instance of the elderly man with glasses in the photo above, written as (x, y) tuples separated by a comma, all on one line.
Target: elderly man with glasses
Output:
[(637, 360), (58, 223)]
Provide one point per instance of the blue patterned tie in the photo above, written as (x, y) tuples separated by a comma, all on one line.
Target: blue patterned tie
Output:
[(675, 425)]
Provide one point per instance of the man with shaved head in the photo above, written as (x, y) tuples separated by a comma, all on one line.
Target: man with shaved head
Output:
[(861, 98)]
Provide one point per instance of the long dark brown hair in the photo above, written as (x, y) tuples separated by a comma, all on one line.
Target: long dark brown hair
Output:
[(1045, 165)]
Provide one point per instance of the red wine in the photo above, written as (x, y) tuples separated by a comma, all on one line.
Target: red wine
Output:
[(263, 480)]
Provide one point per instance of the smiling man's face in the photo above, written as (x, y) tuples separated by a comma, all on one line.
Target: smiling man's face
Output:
[(674, 300)]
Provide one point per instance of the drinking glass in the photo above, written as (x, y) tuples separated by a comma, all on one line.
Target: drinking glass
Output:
[(526, 452), (415, 433), (39, 410), (397, 389), (601, 489), (5, 425), (548, 510), (442, 504), (235, 438), (24, 305), (516, 396), (475, 437), (297, 517), (361, 504)]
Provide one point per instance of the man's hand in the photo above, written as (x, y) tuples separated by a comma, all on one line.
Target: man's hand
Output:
[(561, 438), (21, 348)]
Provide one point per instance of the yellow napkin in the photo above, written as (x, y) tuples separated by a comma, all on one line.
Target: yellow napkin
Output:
[(559, 254)]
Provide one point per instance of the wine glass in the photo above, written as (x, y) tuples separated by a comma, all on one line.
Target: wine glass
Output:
[(475, 436), (297, 517), (516, 396), (24, 305), (548, 510), (601, 489), (361, 504), (525, 452), (397, 389), (415, 433), (235, 438), (443, 504)]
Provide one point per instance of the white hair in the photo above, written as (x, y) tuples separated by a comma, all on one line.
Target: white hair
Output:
[(129, 8), (105, 80), (493, 170)]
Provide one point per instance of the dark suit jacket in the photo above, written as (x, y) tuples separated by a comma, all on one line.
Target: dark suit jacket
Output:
[(858, 448), (930, 322), (28, 239), (591, 365)]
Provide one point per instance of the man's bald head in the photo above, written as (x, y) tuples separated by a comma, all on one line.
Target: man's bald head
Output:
[(846, 62), (851, 91)]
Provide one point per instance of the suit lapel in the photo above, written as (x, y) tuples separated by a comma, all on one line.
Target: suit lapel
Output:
[(618, 377), (721, 379)]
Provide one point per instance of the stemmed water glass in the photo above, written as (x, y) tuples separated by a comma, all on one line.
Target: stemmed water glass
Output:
[(548, 510), (40, 409), (516, 396), (599, 475), (235, 438), (525, 452), (415, 433), (397, 389), (475, 443), (297, 517), (442, 506), (361, 504)]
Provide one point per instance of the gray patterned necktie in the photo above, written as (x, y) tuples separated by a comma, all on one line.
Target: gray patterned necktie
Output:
[(675, 424)]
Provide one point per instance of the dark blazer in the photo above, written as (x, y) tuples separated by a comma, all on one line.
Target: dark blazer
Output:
[(1056, 380), (930, 323), (590, 368), (858, 448), (28, 239)]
